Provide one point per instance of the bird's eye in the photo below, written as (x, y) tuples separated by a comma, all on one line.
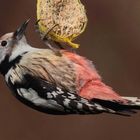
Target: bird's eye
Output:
[(3, 43)]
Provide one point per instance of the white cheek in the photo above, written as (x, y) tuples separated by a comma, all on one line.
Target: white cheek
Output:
[(3, 53)]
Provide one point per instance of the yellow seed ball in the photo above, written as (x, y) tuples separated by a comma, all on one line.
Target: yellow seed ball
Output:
[(69, 16)]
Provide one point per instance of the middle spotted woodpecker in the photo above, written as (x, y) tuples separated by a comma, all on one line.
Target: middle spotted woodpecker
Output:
[(57, 84)]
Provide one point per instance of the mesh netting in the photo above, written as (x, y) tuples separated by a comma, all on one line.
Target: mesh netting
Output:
[(68, 15)]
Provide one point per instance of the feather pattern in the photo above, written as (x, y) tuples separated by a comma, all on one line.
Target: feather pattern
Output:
[(47, 97), (57, 84), (48, 84)]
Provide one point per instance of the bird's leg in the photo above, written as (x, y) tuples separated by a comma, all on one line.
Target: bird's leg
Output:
[(56, 51), (46, 39), (47, 36), (59, 45)]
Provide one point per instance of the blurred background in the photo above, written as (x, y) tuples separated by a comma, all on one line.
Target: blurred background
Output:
[(112, 42)]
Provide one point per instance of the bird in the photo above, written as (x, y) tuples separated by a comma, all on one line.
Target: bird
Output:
[(61, 21), (57, 84)]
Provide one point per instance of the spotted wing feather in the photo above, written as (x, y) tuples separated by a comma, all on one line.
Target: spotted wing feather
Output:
[(47, 97)]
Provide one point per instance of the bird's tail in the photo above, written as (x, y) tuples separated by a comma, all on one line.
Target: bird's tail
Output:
[(126, 109), (133, 101)]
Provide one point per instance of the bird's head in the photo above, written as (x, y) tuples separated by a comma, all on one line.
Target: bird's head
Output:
[(12, 43)]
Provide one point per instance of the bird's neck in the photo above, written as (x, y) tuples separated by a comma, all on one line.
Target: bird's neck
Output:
[(14, 58)]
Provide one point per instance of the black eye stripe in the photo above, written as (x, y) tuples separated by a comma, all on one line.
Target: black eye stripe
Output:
[(3, 43)]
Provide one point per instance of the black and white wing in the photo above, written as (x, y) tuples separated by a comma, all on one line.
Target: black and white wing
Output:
[(48, 97)]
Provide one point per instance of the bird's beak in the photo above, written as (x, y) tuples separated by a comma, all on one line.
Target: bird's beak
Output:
[(18, 34)]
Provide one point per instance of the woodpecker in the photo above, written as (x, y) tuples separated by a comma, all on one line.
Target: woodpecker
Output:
[(57, 84)]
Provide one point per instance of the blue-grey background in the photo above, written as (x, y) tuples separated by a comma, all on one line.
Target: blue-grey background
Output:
[(112, 42)]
